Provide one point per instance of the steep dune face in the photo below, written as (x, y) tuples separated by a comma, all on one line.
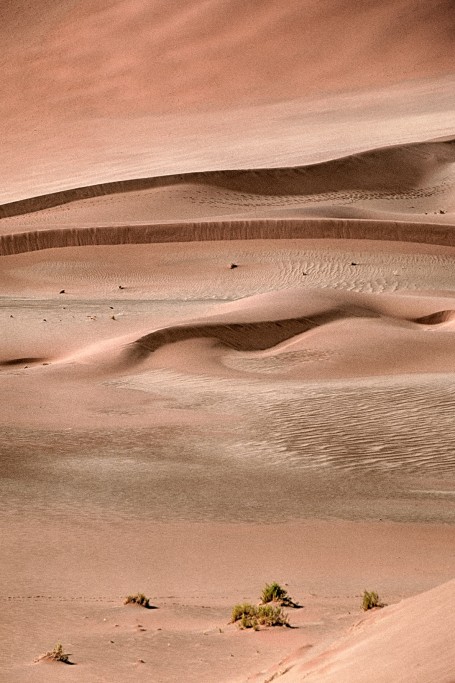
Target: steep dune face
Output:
[(438, 318), (159, 56), (409, 642), (392, 193), (405, 172), (314, 342), (252, 338)]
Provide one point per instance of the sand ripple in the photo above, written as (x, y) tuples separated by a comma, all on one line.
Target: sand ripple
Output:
[(402, 424)]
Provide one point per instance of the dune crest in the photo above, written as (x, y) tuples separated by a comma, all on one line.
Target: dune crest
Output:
[(402, 181), (401, 169), (250, 337), (438, 318), (384, 194)]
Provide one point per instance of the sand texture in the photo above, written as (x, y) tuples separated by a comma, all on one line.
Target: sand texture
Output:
[(227, 338), (398, 644)]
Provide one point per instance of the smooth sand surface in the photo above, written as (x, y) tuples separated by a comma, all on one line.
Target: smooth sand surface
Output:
[(399, 644), (227, 326)]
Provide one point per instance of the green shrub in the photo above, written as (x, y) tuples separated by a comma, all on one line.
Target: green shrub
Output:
[(252, 616), (273, 592), (370, 600), (138, 599)]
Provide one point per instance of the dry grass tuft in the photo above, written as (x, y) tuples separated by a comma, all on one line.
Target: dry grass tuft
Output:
[(252, 616), (137, 599), (370, 600), (273, 592), (57, 655)]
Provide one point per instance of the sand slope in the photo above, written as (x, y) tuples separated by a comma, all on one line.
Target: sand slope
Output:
[(414, 173), (405, 193), (161, 56), (169, 88), (314, 341), (410, 641)]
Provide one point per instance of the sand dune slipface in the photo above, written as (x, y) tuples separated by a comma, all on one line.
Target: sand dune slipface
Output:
[(227, 319), (315, 340), (421, 171), (403, 193)]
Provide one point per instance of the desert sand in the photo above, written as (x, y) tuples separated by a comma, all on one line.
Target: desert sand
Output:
[(227, 350)]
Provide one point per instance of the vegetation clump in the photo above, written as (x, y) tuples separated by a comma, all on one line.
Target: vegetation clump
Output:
[(370, 600), (57, 655), (137, 599), (252, 616), (273, 592)]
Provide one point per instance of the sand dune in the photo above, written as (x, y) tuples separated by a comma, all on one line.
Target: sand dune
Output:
[(438, 318), (162, 77), (316, 342), (227, 319), (411, 172), (397, 643), (334, 229), (166, 56), (401, 188), (415, 179)]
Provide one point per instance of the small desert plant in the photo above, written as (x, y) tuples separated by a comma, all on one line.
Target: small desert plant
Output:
[(370, 599), (138, 599), (252, 616), (57, 655), (273, 592)]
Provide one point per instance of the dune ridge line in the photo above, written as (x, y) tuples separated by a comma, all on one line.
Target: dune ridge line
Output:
[(415, 159), (202, 231)]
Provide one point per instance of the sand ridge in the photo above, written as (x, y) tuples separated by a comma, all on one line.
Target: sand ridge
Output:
[(383, 194), (381, 173)]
